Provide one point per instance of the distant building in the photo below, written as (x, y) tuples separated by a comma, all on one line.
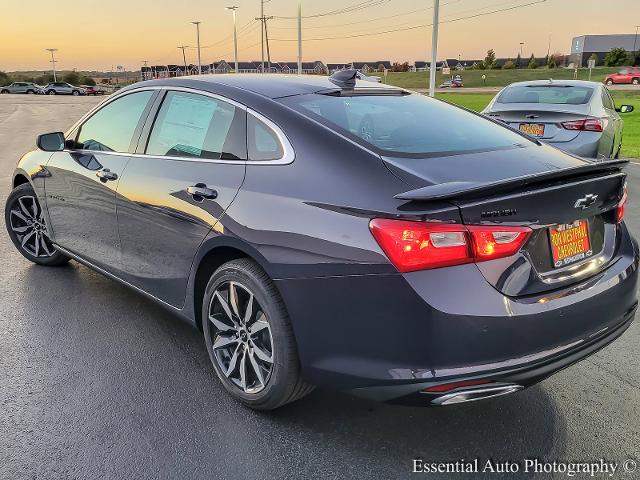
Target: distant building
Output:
[(420, 66), (336, 67), (586, 45), (366, 67), (458, 64)]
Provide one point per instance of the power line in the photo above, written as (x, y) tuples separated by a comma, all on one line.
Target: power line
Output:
[(386, 17), (340, 11), (413, 27)]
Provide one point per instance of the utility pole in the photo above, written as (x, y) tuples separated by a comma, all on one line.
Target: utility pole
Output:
[(235, 36), (266, 38), (53, 61), (263, 27), (549, 47), (434, 49), (299, 37), (197, 24), (184, 57), (521, 45)]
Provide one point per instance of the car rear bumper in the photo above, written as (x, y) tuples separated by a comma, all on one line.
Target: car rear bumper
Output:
[(585, 144), (387, 337)]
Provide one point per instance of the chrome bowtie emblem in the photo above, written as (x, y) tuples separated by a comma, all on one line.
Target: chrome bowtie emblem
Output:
[(586, 201)]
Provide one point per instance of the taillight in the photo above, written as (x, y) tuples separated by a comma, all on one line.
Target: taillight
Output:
[(622, 205), (588, 125), (414, 246)]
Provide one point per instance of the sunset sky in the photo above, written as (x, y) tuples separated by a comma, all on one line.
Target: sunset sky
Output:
[(96, 35)]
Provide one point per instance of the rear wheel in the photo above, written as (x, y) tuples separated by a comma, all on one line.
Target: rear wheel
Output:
[(75, 93), (635, 81), (4, 91), (30, 92), (27, 227), (52, 92), (249, 337), (609, 82)]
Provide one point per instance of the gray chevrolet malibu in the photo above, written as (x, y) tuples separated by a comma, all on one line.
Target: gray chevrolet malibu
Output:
[(575, 116)]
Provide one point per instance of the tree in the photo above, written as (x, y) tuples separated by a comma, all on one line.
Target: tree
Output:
[(490, 59), (44, 79), (551, 62), (533, 63), (518, 61), (616, 57), (4, 78), (72, 77), (508, 65), (88, 81)]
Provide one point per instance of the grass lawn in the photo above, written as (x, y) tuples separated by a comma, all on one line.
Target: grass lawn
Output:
[(495, 78), (631, 136)]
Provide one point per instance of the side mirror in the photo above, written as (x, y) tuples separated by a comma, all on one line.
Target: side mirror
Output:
[(51, 142), (625, 109)]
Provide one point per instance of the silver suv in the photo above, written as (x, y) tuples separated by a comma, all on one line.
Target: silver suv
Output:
[(63, 88), (22, 87)]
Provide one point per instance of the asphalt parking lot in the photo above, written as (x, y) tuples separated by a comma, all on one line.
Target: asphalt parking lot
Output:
[(98, 382)]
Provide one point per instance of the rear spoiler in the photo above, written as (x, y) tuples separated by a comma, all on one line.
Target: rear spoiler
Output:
[(455, 190)]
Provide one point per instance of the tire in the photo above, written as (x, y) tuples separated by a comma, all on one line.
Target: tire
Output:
[(609, 82), (75, 93), (635, 81), (264, 343), (27, 227), (30, 92), (52, 92), (4, 91)]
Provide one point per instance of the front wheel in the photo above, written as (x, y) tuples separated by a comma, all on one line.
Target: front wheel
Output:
[(609, 82), (51, 92), (4, 91), (27, 227), (30, 92), (635, 81), (75, 93), (249, 337)]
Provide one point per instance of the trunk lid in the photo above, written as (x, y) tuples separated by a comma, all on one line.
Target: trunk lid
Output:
[(550, 116), (527, 190)]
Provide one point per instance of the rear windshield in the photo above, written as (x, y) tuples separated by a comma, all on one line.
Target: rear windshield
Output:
[(552, 94), (411, 125)]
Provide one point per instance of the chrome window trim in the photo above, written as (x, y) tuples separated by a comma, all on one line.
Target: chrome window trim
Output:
[(289, 153)]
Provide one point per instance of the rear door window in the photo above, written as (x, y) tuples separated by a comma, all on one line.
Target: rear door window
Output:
[(193, 125)]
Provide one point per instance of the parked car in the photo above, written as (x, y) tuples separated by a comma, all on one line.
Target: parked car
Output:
[(452, 84), (63, 88), (575, 116), (430, 266), (368, 78), (93, 90), (22, 87), (629, 75)]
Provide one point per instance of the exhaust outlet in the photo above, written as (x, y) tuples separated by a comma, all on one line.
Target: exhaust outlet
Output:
[(471, 395)]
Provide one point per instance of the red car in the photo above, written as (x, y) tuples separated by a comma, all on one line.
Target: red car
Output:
[(93, 90), (626, 75)]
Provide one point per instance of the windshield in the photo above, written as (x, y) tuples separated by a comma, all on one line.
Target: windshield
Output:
[(412, 125), (549, 94)]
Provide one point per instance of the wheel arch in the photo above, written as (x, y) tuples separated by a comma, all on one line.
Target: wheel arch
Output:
[(19, 178), (213, 253)]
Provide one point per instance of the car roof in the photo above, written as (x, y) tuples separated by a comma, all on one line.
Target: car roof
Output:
[(546, 83), (271, 85)]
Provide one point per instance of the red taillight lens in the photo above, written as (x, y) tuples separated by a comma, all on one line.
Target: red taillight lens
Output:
[(414, 246), (588, 125), (496, 242), (622, 205)]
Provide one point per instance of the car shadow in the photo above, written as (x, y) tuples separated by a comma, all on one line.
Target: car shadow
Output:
[(144, 379)]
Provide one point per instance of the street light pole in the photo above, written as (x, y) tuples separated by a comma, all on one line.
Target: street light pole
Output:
[(299, 37), (635, 41), (197, 24), (53, 61), (434, 49), (235, 36)]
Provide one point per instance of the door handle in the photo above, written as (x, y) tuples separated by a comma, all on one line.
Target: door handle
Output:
[(200, 191), (106, 175)]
